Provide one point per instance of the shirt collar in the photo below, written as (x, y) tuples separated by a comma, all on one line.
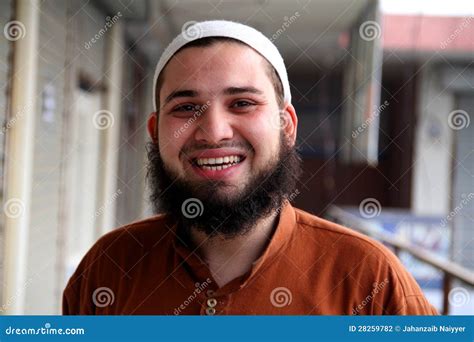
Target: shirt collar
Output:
[(279, 239)]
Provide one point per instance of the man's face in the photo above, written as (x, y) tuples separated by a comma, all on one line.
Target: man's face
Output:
[(220, 140), (218, 120)]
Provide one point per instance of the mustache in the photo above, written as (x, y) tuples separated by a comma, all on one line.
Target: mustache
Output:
[(196, 147)]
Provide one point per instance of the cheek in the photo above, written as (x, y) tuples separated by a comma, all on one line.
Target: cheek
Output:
[(263, 136), (171, 138)]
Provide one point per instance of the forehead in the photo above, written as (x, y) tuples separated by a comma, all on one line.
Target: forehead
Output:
[(214, 67)]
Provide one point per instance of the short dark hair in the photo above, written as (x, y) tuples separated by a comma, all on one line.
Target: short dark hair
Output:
[(209, 41)]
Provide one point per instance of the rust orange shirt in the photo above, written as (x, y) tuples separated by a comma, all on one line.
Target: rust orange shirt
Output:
[(310, 266)]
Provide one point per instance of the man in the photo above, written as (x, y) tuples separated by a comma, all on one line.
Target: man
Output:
[(222, 165)]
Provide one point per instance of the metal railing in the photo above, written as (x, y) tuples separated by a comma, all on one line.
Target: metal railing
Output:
[(451, 270)]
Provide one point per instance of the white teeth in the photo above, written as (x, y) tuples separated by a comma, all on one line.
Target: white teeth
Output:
[(221, 160), (202, 161)]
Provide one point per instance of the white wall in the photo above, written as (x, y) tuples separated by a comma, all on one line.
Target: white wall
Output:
[(433, 146), (5, 11), (58, 70)]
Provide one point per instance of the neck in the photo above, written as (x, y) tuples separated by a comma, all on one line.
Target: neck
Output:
[(229, 258)]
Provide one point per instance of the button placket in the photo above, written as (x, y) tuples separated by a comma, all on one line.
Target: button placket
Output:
[(210, 311), (211, 303)]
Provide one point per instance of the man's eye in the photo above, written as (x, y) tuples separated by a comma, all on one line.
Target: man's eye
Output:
[(242, 104), (186, 108)]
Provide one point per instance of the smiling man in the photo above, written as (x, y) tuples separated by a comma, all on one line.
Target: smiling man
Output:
[(222, 166)]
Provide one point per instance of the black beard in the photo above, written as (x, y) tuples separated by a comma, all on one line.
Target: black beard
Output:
[(199, 206)]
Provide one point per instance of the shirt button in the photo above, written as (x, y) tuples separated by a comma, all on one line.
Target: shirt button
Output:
[(212, 302), (210, 311), (211, 293)]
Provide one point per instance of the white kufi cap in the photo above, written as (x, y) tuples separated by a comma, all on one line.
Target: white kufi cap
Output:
[(230, 29)]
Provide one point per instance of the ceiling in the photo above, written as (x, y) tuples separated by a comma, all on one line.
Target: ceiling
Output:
[(312, 30)]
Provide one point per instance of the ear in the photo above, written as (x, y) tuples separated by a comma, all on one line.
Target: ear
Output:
[(152, 127), (290, 122)]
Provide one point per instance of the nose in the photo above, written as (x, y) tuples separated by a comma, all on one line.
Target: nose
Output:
[(214, 126)]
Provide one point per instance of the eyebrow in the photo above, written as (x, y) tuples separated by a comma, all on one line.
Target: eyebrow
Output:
[(228, 91), (241, 90), (180, 93)]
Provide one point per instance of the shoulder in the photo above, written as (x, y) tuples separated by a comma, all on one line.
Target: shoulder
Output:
[(136, 235), (352, 256), (117, 253), (341, 237), (126, 245), (143, 234), (356, 261)]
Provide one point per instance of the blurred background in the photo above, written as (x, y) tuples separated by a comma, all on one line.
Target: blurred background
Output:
[(384, 92)]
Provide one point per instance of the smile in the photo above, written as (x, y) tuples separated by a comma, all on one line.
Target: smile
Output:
[(216, 164)]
